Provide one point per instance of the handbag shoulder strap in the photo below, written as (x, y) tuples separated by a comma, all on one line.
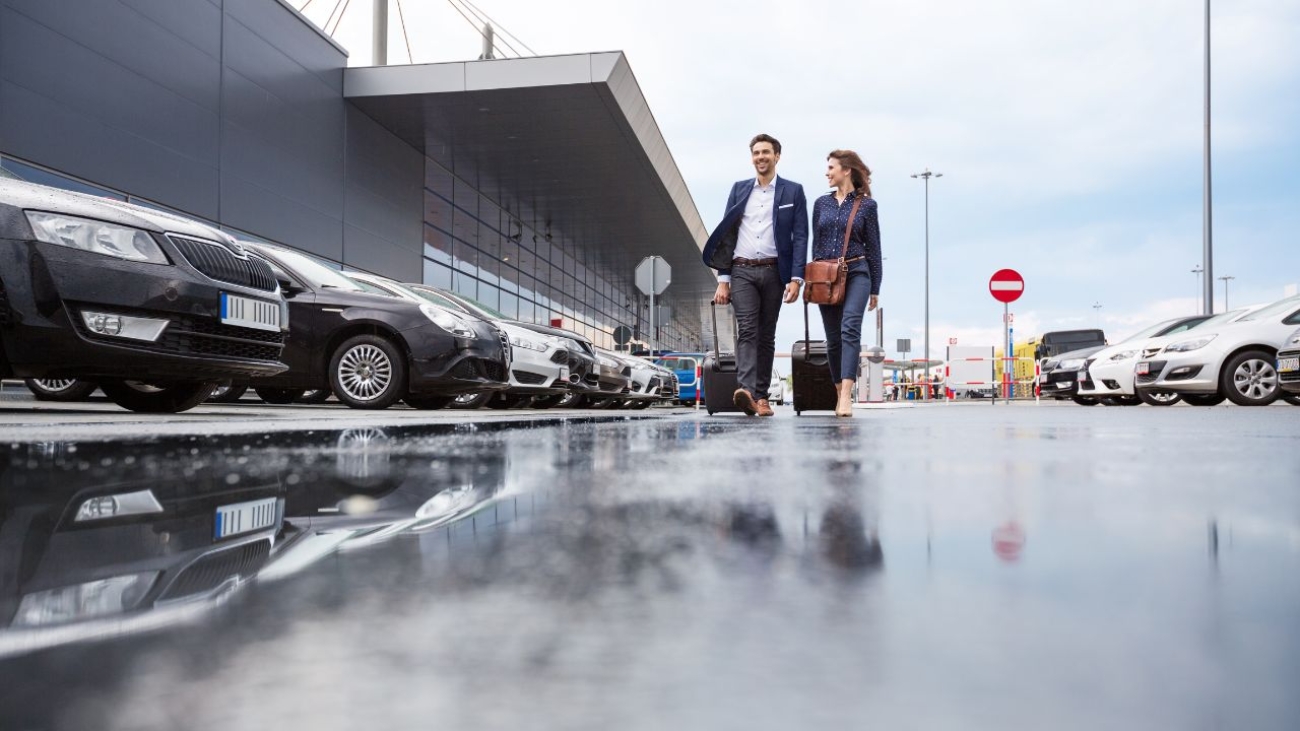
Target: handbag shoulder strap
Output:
[(848, 229)]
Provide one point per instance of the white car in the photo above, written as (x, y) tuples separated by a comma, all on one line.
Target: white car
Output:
[(776, 391), (1110, 371), (1236, 360), (539, 364), (648, 381)]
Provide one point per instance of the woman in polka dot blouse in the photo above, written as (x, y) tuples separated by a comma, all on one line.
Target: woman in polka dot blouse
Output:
[(851, 180)]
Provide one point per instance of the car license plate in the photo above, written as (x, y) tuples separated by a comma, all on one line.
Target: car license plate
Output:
[(233, 520), (1286, 365), (1143, 368), (564, 374), (249, 312)]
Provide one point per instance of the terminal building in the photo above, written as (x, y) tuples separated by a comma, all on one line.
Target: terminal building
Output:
[(533, 185)]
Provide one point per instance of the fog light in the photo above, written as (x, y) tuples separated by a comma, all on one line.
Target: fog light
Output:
[(124, 326)]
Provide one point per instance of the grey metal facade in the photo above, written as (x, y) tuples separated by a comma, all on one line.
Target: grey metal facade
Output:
[(234, 111)]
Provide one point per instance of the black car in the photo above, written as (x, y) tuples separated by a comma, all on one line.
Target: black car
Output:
[(372, 350), (153, 307), (1061, 376)]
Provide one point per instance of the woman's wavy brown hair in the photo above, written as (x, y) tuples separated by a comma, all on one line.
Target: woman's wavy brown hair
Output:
[(861, 173)]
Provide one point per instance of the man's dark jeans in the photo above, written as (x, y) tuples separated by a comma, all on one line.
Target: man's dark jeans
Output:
[(756, 300)]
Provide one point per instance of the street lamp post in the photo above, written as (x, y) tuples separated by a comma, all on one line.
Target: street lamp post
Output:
[(1225, 281), (1200, 295), (1207, 225), (926, 177)]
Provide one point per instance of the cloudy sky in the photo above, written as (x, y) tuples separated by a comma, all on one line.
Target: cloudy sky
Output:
[(1069, 134)]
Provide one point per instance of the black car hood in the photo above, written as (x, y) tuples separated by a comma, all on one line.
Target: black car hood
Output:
[(29, 196)]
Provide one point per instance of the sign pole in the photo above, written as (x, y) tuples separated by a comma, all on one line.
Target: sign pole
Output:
[(653, 261), (1006, 349)]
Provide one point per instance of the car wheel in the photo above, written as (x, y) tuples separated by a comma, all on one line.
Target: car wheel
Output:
[(570, 400), (1084, 400), (1203, 399), (1120, 400), (1291, 398), (278, 396), (368, 372), (640, 405), (315, 396), (149, 398), (60, 389), (227, 393), (471, 400), (428, 403), (1250, 379), (546, 402), (1158, 398)]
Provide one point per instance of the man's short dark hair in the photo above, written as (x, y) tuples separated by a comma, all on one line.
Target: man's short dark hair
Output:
[(776, 144)]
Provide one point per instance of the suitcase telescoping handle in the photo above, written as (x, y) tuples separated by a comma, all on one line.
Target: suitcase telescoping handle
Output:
[(806, 335), (713, 309)]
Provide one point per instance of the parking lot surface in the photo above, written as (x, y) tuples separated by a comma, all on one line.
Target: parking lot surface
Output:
[(940, 567)]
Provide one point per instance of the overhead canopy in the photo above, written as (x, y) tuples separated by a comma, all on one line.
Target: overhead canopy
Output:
[(572, 137)]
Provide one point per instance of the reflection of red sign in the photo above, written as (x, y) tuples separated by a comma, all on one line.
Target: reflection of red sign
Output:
[(1006, 285), (1009, 542), (557, 322)]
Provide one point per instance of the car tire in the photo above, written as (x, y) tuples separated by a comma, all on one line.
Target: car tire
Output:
[(315, 396), (1158, 398), (227, 393), (60, 389), (571, 400), (1291, 398), (146, 398), (640, 405), (470, 401), (1120, 401), (1250, 379), (1084, 400), (1203, 399), (278, 396), (368, 372), (428, 403)]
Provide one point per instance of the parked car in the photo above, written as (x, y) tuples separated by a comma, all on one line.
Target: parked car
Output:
[(614, 379), (373, 350), (539, 364), (1061, 375), (686, 366), (776, 391), (1288, 366), (648, 382), (153, 308), (1235, 361), (1109, 372), (581, 360)]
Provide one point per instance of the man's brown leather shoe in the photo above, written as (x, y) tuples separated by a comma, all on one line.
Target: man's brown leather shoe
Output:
[(744, 401), (764, 408)]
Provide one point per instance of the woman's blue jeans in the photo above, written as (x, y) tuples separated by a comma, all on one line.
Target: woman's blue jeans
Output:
[(843, 323)]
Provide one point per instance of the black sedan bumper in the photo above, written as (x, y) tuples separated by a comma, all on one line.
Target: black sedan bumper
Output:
[(44, 289), (440, 367), (1060, 384)]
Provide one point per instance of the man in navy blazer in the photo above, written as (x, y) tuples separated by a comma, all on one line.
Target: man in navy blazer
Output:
[(759, 250)]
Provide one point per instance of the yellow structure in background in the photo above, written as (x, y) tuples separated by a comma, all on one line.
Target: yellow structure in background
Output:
[(1023, 369)]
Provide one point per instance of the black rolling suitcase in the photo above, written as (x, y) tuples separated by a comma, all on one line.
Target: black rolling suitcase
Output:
[(810, 373), (719, 374)]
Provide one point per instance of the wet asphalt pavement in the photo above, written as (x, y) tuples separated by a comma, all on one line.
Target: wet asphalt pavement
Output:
[(954, 567)]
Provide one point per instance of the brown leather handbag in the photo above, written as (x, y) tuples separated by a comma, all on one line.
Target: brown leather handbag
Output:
[(824, 280)]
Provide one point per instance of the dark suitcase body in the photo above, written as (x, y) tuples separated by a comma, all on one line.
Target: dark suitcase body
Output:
[(813, 388), (719, 382)]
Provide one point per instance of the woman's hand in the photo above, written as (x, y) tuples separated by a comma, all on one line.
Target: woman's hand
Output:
[(871, 304)]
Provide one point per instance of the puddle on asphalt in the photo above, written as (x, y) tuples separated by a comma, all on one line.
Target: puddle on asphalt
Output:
[(639, 574)]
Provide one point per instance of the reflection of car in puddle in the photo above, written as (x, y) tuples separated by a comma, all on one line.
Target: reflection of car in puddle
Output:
[(381, 487), (95, 544)]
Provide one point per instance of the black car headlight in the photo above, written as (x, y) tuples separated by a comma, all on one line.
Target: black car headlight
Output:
[(447, 321), (97, 237)]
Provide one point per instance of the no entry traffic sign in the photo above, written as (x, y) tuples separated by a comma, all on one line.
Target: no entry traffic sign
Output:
[(1006, 285)]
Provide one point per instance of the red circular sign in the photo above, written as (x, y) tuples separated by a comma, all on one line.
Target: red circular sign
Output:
[(1006, 285)]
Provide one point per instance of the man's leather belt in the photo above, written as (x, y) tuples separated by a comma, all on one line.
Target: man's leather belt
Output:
[(739, 262)]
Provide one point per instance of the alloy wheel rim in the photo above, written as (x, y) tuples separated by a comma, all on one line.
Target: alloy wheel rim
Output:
[(55, 385), (1164, 397), (365, 372), (1255, 379)]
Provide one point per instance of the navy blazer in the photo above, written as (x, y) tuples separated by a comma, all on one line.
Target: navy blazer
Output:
[(790, 230)]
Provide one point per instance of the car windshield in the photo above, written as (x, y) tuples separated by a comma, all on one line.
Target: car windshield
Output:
[(317, 274), (1223, 317), (477, 308), (1152, 331), (1277, 308)]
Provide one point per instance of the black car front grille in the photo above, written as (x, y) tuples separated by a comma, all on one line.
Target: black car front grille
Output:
[(505, 346), (223, 265), (198, 337), (529, 379), (495, 371), (477, 369), (214, 569)]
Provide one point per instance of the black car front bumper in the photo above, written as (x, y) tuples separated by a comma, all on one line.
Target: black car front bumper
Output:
[(469, 365), (44, 288)]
